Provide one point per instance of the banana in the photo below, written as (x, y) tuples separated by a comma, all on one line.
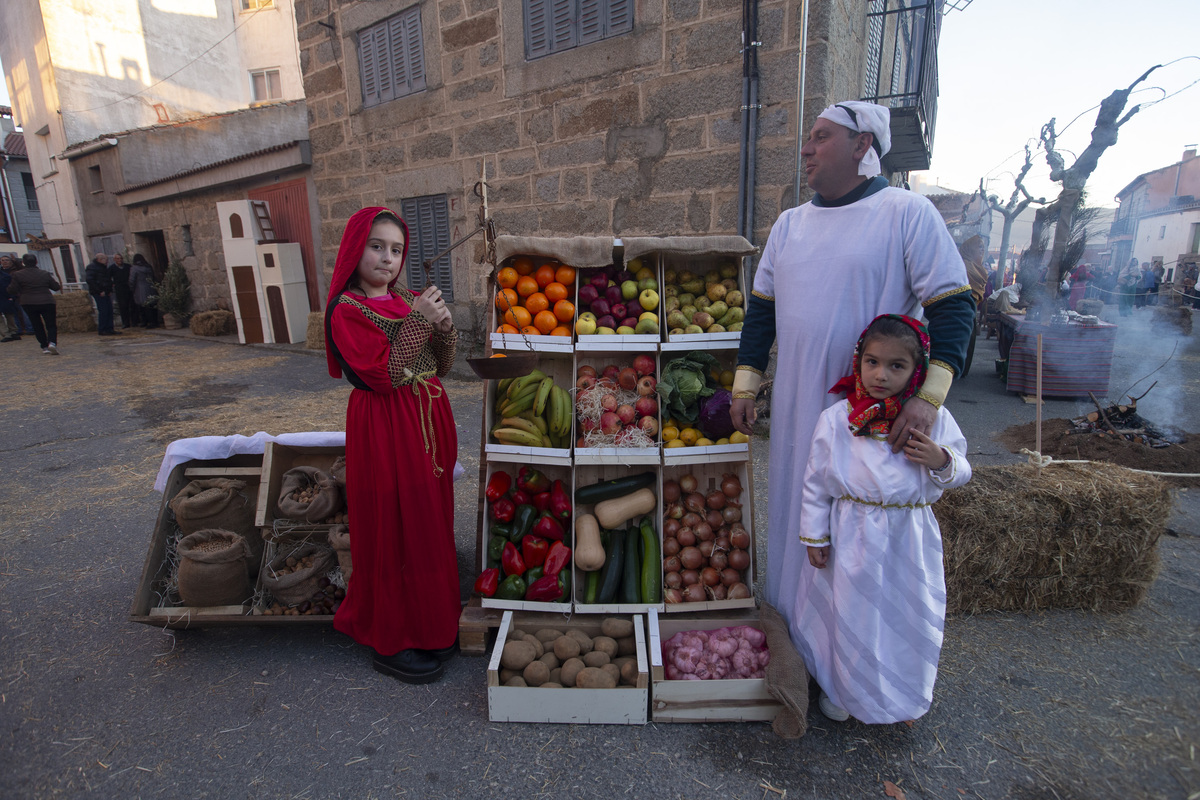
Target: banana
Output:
[(527, 414), (540, 422), (514, 407), (518, 437), (516, 387), (552, 412), (529, 391), (546, 441), (565, 409), (521, 425), (502, 387), (539, 405)]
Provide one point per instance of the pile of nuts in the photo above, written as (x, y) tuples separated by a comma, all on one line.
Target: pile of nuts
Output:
[(323, 603), (294, 564), (340, 518)]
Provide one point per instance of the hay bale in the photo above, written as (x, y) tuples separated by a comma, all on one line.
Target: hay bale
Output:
[(1082, 536), (315, 335), (1090, 307), (1172, 319), (213, 323), (74, 312)]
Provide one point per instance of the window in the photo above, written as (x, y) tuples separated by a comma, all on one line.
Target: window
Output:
[(254, 5), (428, 221), (186, 234), (97, 181), (30, 192), (1162, 231), (391, 58), (552, 26), (264, 85), (1194, 246)]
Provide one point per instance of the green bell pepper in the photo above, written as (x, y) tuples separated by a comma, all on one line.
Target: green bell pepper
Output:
[(511, 588)]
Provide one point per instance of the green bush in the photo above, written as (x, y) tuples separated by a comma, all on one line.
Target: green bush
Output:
[(174, 290)]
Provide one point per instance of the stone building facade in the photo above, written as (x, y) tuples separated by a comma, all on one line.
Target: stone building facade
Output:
[(638, 134)]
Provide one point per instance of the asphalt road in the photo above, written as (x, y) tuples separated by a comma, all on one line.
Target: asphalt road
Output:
[(1053, 705)]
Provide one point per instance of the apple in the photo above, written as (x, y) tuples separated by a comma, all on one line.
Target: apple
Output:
[(643, 273), (599, 281), (629, 290), (648, 284), (606, 321), (650, 315), (613, 294), (587, 294), (634, 309), (606, 331), (622, 275), (629, 322), (619, 311), (625, 330), (586, 324), (601, 307), (648, 299), (647, 326)]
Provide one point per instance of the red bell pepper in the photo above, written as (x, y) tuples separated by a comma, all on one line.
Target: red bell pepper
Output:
[(498, 486), (511, 561), (531, 480), (534, 550), (544, 590), (504, 509), (560, 502), (522, 498), (542, 501), (487, 582), (547, 527), (558, 557)]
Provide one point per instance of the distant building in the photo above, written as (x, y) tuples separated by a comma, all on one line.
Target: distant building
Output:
[(1158, 220), (21, 215)]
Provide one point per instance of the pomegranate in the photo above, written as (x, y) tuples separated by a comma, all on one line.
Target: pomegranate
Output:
[(644, 364)]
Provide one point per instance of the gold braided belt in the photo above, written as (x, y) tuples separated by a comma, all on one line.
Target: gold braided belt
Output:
[(877, 504), (433, 390)]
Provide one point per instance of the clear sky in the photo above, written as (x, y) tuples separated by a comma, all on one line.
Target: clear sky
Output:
[(1007, 66)]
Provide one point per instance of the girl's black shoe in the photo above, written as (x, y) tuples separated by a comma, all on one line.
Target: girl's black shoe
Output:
[(409, 666)]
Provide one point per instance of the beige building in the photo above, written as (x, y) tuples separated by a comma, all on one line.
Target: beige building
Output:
[(608, 117)]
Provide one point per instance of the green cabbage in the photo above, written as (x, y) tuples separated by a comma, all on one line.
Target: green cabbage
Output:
[(685, 382)]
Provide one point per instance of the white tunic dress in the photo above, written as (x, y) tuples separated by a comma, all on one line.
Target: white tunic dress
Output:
[(869, 625), (830, 272)]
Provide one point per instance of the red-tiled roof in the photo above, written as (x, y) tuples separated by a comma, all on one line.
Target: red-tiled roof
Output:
[(14, 145)]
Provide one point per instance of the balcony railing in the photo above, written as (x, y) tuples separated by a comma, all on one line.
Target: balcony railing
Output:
[(1122, 227), (901, 73)]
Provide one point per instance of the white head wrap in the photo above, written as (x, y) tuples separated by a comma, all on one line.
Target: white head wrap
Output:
[(864, 117)]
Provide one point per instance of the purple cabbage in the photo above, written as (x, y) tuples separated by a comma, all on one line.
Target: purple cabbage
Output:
[(715, 422)]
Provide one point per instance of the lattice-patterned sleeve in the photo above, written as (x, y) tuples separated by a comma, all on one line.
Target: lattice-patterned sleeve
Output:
[(445, 346), (408, 338)]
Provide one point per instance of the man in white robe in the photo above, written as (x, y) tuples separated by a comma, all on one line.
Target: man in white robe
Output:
[(858, 249)]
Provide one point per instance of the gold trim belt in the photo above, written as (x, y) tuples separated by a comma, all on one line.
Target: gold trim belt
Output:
[(860, 501), (433, 391)]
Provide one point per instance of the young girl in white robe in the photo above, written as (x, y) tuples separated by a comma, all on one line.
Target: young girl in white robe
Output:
[(871, 605)]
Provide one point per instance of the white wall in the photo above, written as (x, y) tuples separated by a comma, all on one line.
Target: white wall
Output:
[(1175, 238)]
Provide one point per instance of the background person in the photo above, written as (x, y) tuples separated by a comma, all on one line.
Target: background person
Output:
[(141, 285), (99, 282), (1127, 284), (119, 272), (32, 287), (10, 328)]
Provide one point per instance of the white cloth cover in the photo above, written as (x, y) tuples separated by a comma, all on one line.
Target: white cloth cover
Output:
[(870, 624), (217, 447), (830, 272), (867, 118)]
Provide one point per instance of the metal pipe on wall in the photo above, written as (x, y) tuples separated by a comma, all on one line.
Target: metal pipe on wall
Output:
[(800, 100), (749, 139)]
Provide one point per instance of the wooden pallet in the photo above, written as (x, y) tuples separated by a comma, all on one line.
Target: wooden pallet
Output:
[(475, 626)]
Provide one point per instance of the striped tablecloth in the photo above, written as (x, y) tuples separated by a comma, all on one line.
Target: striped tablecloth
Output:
[(1076, 359)]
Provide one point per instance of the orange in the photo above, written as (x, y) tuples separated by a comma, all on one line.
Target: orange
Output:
[(545, 321), (507, 277), (529, 330), (523, 265), (506, 328), (564, 310), (544, 275), (537, 302), (526, 286), (555, 291), (498, 355), (518, 317), (506, 299), (565, 275), (561, 330)]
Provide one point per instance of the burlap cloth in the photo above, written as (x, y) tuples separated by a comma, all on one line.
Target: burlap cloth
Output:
[(326, 503), (213, 569), (339, 540), (219, 504), (636, 246), (575, 251), (787, 678), (296, 587)]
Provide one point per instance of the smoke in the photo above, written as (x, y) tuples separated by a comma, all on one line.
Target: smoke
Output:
[(1148, 353)]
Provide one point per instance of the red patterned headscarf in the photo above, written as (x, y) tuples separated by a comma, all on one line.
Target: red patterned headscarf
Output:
[(870, 416), (354, 242)]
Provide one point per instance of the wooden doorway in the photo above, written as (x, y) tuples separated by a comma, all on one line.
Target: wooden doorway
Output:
[(289, 216)]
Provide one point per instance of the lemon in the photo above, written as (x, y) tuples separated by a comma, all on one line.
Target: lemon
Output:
[(689, 436), (670, 433), (704, 442), (737, 437), (727, 378), (722, 441), (675, 443)]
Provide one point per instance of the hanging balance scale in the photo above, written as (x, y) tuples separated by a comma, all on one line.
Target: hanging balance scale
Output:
[(502, 365)]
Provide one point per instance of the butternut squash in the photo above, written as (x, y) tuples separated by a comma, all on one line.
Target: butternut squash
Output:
[(616, 512), (589, 552)]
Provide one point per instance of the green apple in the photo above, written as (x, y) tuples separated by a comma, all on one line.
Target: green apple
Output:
[(603, 331), (629, 290), (586, 324), (647, 325), (625, 330), (648, 299), (648, 283), (650, 315)]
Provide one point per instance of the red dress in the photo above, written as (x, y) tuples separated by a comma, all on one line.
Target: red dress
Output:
[(401, 444)]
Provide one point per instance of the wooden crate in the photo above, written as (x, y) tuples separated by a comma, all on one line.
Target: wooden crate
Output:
[(727, 358), (517, 342), (703, 701), (614, 342), (556, 366), (709, 477), (279, 458), (615, 455), (699, 265), (625, 705)]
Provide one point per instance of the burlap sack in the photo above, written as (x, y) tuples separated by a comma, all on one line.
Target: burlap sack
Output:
[(301, 585), (326, 502), (219, 504), (339, 540), (338, 471), (787, 678), (213, 569)]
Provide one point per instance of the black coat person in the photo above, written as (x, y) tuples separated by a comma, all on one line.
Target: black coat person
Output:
[(119, 271)]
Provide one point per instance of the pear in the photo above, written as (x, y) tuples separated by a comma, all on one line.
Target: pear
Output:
[(703, 320), (734, 298), (718, 309), (693, 329), (716, 291), (715, 328)]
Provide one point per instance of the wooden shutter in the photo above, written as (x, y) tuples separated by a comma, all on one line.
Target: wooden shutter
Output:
[(591, 21), (619, 18), (397, 55), (371, 57), (428, 220), (537, 28), (564, 25), (415, 50), (392, 57)]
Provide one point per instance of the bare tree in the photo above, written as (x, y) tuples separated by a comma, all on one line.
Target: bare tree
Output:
[(1104, 135), (1020, 200)]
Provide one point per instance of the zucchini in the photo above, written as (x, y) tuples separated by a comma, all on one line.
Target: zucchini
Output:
[(651, 586), (610, 576), (632, 573), (617, 487), (592, 588)]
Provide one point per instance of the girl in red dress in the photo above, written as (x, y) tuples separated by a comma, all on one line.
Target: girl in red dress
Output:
[(401, 442)]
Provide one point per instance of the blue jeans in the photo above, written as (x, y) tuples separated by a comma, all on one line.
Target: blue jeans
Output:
[(104, 315)]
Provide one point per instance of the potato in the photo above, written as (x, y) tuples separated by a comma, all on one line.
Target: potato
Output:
[(547, 635), (627, 646), (551, 685), (508, 674), (616, 628), (606, 645), (585, 641), (595, 678), (629, 670), (517, 655), (550, 660), (515, 680), (596, 659), (570, 671), (538, 648), (556, 676), (565, 647), (516, 634), (613, 671), (536, 673)]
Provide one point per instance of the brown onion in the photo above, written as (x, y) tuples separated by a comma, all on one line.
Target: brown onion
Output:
[(691, 519), (671, 546), (719, 592), (723, 544), (731, 514), (715, 500), (705, 547), (731, 487), (730, 576), (671, 564), (709, 576), (673, 596), (690, 576), (694, 502), (670, 491), (673, 580), (704, 532), (671, 527), (714, 518), (695, 593), (691, 558), (718, 560), (738, 591), (686, 536), (673, 511), (739, 559), (688, 483), (740, 539)]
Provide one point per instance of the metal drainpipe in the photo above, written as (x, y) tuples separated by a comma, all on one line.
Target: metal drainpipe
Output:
[(743, 149), (800, 100), (749, 143)]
